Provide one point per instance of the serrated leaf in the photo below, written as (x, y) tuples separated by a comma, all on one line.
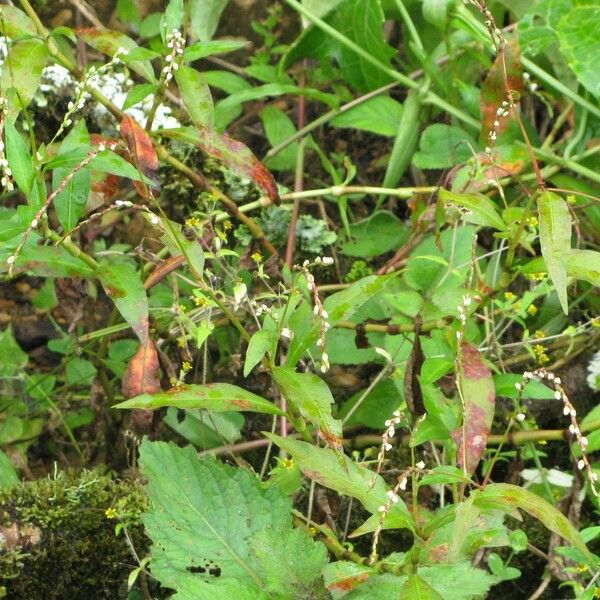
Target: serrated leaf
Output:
[(70, 203), (258, 346), (108, 42), (196, 96), (289, 559), (579, 39), (218, 397), (338, 472), (418, 589), (555, 240), (203, 514), (508, 496), (313, 399), (479, 400), (484, 211), (123, 285)]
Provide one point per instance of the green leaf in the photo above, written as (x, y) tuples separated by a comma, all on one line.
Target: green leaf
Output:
[(555, 240), (584, 264), (70, 203), (79, 371), (343, 576), (337, 472), (579, 39), (137, 93), (479, 398), (436, 12), (376, 407), (444, 474), (206, 429), (482, 210), (362, 22), (259, 345), (418, 589), (14, 358), (15, 23), (22, 71), (535, 390), (458, 581), (203, 515), (290, 560), (313, 399), (218, 397), (173, 17), (379, 115), (442, 146), (279, 127), (19, 159), (51, 261), (196, 96), (506, 497), (205, 15), (108, 42), (226, 81), (8, 473), (376, 235), (123, 285), (203, 49)]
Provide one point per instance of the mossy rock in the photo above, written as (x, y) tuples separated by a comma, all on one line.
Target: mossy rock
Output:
[(58, 540)]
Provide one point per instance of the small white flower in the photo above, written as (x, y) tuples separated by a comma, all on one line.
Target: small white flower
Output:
[(11, 259), (34, 223), (382, 509), (581, 464), (402, 484), (101, 147), (420, 465), (583, 442), (520, 417), (387, 446), (327, 260), (286, 333), (518, 387), (154, 220), (558, 395)]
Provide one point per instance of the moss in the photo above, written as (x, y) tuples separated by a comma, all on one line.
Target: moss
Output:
[(57, 540)]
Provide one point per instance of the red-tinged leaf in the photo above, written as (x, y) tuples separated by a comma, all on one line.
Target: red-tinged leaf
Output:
[(142, 373), (144, 156), (168, 266), (239, 158), (495, 87), (108, 42), (479, 397)]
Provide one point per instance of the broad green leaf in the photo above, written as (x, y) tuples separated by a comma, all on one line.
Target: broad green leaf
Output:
[(196, 96), (205, 15), (218, 397), (479, 399), (173, 17), (442, 146), (376, 235), (15, 23), (258, 346), (584, 264), (70, 203), (458, 581), (418, 589), (22, 71), (379, 115), (506, 497), (362, 22), (279, 127), (337, 472), (311, 396), (14, 358), (536, 390), (376, 407), (482, 210), (51, 261), (202, 49), (436, 12), (289, 559), (555, 240), (579, 39), (8, 473), (206, 429), (204, 515), (79, 371), (123, 285), (108, 42), (226, 81)]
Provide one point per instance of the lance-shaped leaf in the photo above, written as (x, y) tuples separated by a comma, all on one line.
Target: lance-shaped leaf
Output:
[(237, 157), (123, 285), (483, 210), (196, 96), (494, 89), (218, 397), (338, 472), (584, 264), (108, 42), (479, 398), (311, 396), (15, 23), (507, 497), (143, 153), (555, 240)]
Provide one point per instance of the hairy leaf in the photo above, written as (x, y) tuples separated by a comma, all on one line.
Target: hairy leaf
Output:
[(478, 395), (218, 397)]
